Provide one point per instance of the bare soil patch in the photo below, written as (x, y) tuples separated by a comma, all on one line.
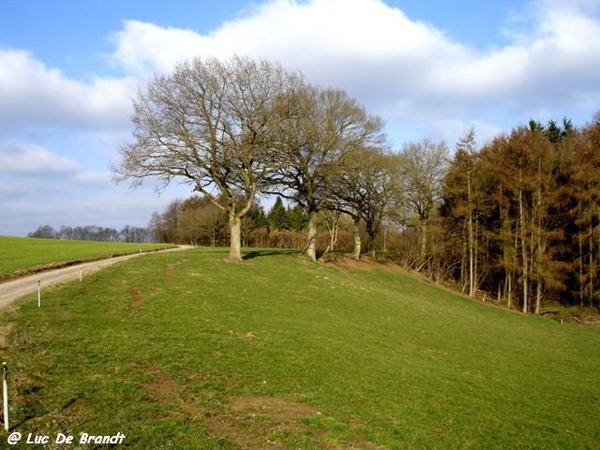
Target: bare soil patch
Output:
[(259, 422), (5, 331), (166, 391), (170, 268), (346, 263), (138, 299), (248, 422), (281, 410), (161, 387)]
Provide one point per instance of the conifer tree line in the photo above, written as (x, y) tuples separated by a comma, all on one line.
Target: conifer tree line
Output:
[(521, 215), (516, 218)]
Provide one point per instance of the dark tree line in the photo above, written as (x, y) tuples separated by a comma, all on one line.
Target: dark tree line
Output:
[(522, 215), (95, 233)]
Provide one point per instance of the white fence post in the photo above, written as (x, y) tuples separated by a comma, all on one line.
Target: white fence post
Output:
[(5, 396)]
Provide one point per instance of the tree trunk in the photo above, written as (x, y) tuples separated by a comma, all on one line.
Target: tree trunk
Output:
[(591, 270), (513, 270), (597, 260), (538, 296), (508, 254), (523, 234), (423, 236), (333, 226), (470, 238), (384, 241), (464, 260), (310, 246), (581, 282), (475, 258), (372, 233), (357, 243), (509, 291), (532, 267), (235, 247)]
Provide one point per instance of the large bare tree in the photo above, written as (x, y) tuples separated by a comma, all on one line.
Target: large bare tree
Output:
[(210, 124), (326, 126), (364, 188)]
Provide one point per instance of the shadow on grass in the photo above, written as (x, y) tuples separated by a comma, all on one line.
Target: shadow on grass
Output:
[(267, 252)]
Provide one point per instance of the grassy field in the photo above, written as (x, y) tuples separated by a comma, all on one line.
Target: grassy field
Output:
[(25, 255), (185, 351)]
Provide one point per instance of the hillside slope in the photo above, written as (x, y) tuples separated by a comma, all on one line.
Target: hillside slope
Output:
[(184, 350)]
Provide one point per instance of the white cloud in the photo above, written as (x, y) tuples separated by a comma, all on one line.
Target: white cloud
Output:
[(33, 170), (143, 48), (418, 78), (32, 94), (27, 159), (399, 68), (314, 36), (403, 69), (93, 178)]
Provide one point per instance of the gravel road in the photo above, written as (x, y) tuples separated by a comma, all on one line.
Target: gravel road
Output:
[(14, 289)]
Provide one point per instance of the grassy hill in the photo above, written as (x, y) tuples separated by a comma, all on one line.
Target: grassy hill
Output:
[(25, 255), (183, 350)]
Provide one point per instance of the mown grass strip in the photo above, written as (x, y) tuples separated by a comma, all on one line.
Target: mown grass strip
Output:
[(184, 350)]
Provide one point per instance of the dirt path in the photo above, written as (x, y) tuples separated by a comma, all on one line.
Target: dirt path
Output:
[(14, 289)]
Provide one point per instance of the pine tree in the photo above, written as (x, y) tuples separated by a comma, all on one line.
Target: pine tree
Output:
[(277, 217)]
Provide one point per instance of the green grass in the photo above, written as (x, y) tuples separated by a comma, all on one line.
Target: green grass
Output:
[(25, 255), (184, 350)]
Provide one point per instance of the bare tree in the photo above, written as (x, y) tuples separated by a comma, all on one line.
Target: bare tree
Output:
[(209, 124), (467, 146), (423, 168), (364, 188), (331, 220), (327, 124)]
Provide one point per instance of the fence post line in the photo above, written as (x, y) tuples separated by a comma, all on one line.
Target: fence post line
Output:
[(80, 274), (39, 293), (5, 396)]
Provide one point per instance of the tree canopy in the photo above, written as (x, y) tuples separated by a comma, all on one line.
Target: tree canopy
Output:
[(518, 216), (210, 124)]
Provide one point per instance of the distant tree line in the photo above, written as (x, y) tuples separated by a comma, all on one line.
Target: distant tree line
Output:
[(95, 233), (517, 219)]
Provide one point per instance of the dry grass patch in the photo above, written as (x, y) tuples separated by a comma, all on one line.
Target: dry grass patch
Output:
[(138, 299), (167, 392), (170, 268), (259, 422), (5, 331)]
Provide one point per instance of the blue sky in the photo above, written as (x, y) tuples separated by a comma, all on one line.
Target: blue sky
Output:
[(69, 69)]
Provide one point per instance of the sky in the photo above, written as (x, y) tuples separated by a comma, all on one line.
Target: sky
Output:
[(69, 70)]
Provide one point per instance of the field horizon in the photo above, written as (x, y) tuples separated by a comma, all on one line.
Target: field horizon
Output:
[(184, 350)]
